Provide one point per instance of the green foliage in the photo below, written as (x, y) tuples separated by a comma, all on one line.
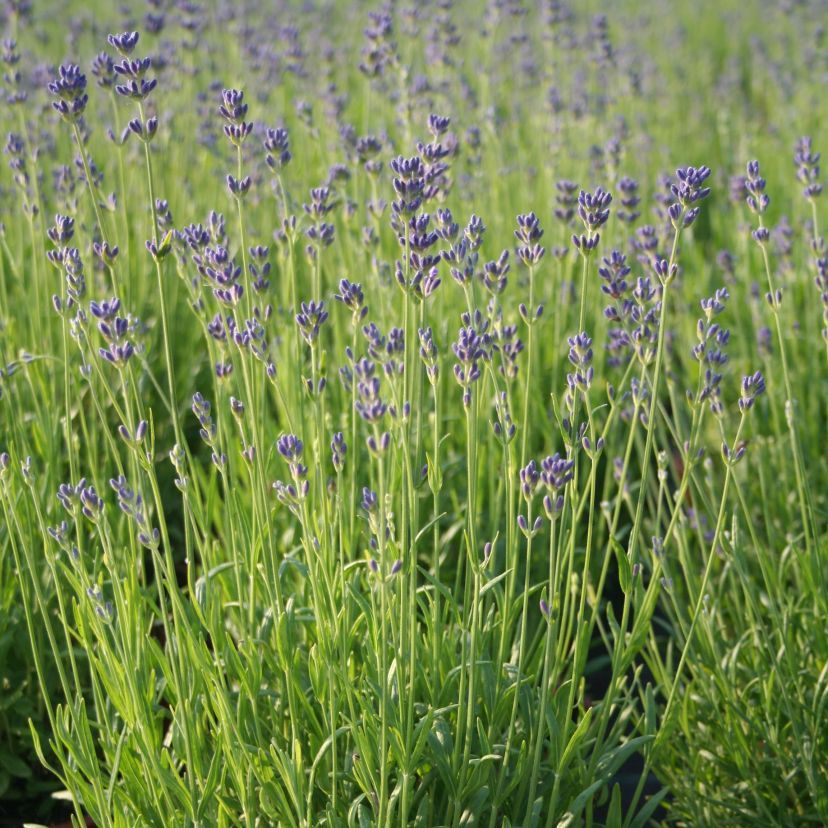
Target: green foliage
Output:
[(423, 628)]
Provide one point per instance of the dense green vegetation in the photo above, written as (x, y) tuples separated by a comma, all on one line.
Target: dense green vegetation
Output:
[(414, 414)]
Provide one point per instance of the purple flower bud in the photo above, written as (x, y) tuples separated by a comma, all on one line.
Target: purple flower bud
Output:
[(70, 90), (123, 43), (753, 386)]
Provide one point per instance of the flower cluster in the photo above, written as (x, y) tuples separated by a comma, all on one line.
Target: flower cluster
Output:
[(709, 350), (688, 190), (293, 493), (69, 87)]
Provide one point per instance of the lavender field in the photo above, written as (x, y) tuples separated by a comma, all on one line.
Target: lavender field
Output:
[(413, 414)]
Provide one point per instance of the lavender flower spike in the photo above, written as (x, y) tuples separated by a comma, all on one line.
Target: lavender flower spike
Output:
[(69, 87), (753, 386), (123, 43)]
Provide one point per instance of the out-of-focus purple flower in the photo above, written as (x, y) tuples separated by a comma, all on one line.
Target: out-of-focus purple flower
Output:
[(727, 263), (379, 50), (761, 235), (807, 168), (737, 189), (753, 386), (566, 198), (764, 340), (339, 450), (629, 200), (277, 148), (821, 282), (103, 68)]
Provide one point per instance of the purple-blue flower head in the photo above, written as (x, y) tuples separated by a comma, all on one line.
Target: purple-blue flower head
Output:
[(593, 209), (123, 43), (69, 87), (756, 198), (753, 386), (312, 315), (807, 168)]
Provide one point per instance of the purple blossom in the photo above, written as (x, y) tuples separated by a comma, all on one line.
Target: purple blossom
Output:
[(566, 198), (233, 110), (123, 43), (757, 200), (69, 87), (593, 209), (688, 190), (529, 479), (807, 168), (339, 450), (528, 234), (277, 148), (471, 348), (753, 386), (629, 200)]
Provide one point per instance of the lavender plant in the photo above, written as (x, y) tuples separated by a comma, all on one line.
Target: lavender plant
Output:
[(329, 498)]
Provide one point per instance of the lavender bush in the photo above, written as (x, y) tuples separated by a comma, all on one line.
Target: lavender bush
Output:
[(414, 415)]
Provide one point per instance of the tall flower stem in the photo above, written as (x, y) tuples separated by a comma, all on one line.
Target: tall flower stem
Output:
[(806, 510), (549, 647), (697, 608), (161, 292), (530, 340), (94, 195)]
